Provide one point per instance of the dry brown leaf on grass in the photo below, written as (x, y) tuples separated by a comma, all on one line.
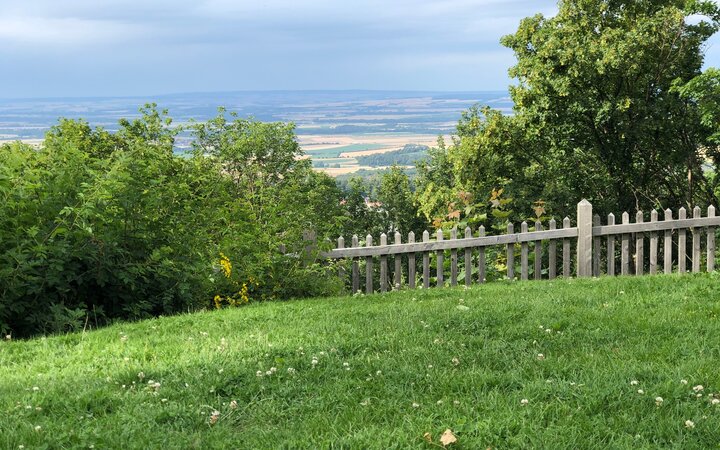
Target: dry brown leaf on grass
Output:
[(448, 438)]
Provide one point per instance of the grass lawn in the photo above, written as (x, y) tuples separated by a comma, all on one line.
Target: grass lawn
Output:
[(589, 356)]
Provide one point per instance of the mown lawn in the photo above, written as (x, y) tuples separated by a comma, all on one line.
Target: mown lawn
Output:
[(387, 370)]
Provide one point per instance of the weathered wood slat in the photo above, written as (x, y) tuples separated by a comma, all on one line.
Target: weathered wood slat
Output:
[(667, 244), (552, 253), (368, 268), (711, 242), (625, 248), (682, 243), (567, 270), (486, 241), (653, 244), (698, 222), (426, 261), (538, 253), (355, 268), (468, 259), (511, 253), (596, 248), (440, 256), (383, 265), (453, 259), (610, 247), (481, 258), (524, 254), (341, 269), (584, 240), (411, 262), (397, 275), (639, 247), (696, 243)]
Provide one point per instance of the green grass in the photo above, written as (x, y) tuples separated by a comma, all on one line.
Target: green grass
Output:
[(335, 152), (399, 350)]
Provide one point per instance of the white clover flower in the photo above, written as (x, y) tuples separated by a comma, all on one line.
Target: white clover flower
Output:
[(35, 388), (345, 364), (698, 388), (314, 362), (715, 401), (689, 424), (659, 401), (141, 375), (456, 402), (268, 373), (259, 373), (415, 405), (455, 361), (524, 402), (273, 369), (683, 381), (233, 404), (291, 371), (540, 357), (548, 330), (439, 402), (634, 383), (641, 392), (365, 402), (38, 427), (378, 373)]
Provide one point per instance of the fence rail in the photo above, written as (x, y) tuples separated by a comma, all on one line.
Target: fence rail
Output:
[(588, 236)]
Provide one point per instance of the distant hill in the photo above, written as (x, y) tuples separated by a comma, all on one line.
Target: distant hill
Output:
[(406, 156)]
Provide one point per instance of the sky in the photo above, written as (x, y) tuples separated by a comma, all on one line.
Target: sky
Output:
[(87, 48)]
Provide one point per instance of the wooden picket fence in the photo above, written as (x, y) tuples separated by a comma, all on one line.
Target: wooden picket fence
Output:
[(587, 236)]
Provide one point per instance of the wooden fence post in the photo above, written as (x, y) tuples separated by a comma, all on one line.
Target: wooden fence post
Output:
[(468, 259), (524, 254), (667, 244), (341, 270), (696, 242), (383, 265), (639, 246), (552, 254), (585, 242), (309, 237), (481, 258), (611, 248), (368, 268), (653, 244), (596, 248), (453, 260), (355, 268), (440, 255), (511, 254), (566, 251), (625, 247), (538, 253), (411, 262), (398, 263), (682, 243), (426, 262), (711, 242)]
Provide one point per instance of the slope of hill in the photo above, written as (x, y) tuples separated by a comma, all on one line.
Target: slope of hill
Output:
[(608, 363)]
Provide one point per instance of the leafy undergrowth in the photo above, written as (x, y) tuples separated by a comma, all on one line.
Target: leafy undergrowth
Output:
[(562, 364)]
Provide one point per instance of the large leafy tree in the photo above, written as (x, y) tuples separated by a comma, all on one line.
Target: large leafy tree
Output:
[(600, 110)]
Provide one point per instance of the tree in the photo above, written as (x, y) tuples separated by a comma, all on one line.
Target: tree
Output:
[(398, 206), (595, 98)]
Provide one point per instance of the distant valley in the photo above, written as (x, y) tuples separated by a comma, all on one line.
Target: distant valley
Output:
[(337, 129)]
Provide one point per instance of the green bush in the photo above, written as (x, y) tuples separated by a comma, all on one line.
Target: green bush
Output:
[(96, 226)]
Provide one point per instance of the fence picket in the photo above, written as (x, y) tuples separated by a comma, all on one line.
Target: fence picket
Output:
[(625, 248), (368, 268), (511, 254), (696, 242), (355, 268), (397, 275), (552, 253), (481, 258), (341, 269), (524, 254), (383, 265), (596, 249), (653, 244), (440, 261), (566, 251), (711, 242), (667, 244), (538, 253), (682, 243), (411, 262), (426, 262), (639, 247), (611, 248), (453, 260), (468, 259)]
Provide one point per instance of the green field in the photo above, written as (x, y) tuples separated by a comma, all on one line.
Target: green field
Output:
[(335, 152), (563, 364)]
